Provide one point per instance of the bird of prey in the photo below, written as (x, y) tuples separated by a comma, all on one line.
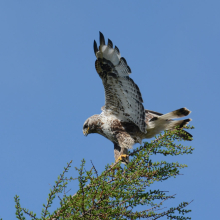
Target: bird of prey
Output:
[(123, 119)]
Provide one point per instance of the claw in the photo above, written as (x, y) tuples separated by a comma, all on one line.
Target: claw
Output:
[(122, 157)]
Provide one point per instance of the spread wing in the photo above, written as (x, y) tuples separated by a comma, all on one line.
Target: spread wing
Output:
[(122, 95)]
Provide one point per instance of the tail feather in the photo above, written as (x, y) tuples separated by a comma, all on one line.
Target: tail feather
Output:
[(180, 124), (182, 112), (185, 135)]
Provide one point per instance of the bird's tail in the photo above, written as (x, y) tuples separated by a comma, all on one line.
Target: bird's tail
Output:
[(179, 113), (179, 125), (157, 122)]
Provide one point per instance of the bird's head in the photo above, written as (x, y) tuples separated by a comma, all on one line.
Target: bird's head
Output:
[(90, 125)]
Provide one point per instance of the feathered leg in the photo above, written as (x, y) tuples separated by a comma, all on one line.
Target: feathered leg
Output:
[(121, 154)]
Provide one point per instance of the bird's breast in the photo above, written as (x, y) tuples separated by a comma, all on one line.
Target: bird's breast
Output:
[(107, 129)]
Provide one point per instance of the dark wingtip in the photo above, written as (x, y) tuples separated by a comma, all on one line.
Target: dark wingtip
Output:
[(110, 44), (124, 60), (95, 47), (116, 48), (129, 69), (102, 39)]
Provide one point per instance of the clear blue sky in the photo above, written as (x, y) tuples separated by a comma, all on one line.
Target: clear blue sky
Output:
[(49, 87)]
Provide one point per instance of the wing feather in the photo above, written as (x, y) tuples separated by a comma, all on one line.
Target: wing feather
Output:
[(122, 96)]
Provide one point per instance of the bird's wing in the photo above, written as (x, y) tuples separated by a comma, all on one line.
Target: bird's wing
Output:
[(122, 96)]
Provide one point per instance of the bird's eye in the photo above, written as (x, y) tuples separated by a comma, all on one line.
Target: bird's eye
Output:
[(85, 126)]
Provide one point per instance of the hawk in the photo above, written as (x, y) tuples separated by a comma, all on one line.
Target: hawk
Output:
[(123, 119)]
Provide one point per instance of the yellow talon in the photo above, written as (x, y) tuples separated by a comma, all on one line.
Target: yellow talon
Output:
[(121, 157)]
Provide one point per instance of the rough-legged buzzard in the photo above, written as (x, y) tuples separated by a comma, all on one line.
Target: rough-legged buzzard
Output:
[(123, 120)]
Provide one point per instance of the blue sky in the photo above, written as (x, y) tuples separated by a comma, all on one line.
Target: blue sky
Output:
[(49, 87)]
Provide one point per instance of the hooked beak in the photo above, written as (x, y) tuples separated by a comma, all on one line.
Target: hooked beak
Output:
[(86, 132)]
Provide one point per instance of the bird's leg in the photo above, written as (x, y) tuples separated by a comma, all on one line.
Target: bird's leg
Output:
[(124, 158), (117, 150), (121, 154)]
